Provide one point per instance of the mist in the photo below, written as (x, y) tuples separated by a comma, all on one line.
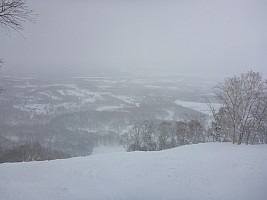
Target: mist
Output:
[(211, 37), (168, 91)]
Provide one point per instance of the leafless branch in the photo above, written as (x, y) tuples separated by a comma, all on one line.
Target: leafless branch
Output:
[(14, 13), (243, 100)]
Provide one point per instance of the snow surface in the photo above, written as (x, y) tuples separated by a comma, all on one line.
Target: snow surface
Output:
[(171, 114), (44, 109), (109, 108), (39, 109), (124, 98), (162, 87), (205, 171), (49, 95)]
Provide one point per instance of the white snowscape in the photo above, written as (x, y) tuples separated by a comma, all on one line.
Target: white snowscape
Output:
[(217, 171)]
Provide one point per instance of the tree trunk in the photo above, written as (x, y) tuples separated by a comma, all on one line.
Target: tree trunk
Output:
[(240, 137), (234, 135), (248, 136), (253, 139)]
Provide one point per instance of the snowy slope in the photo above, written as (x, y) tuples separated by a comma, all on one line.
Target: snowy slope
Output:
[(203, 171)]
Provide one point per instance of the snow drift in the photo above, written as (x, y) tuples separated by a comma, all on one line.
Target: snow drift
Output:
[(203, 171)]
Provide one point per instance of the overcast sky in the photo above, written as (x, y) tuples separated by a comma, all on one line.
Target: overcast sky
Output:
[(224, 37)]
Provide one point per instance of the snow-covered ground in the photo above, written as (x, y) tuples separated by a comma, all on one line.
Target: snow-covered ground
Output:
[(171, 114), (205, 171), (124, 98), (109, 108)]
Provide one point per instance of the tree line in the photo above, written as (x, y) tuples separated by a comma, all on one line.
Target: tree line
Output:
[(152, 135), (30, 152)]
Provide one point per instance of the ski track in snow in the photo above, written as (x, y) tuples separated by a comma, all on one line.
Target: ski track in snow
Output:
[(205, 171)]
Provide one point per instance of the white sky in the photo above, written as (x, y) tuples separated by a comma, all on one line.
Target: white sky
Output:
[(209, 36)]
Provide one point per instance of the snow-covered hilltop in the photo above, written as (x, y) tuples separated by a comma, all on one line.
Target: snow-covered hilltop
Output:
[(203, 171)]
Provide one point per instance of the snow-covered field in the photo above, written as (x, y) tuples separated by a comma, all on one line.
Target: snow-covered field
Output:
[(109, 108), (204, 171), (198, 106)]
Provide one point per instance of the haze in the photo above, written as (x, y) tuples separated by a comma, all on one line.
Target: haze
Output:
[(216, 37), (140, 82)]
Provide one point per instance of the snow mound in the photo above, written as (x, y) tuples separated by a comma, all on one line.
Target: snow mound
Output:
[(204, 171)]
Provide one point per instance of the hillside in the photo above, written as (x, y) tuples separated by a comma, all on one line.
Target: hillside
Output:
[(203, 171), (74, 114)]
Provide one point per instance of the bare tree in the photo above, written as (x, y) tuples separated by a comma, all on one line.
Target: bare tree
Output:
[(1, 64), (14, 13), (164, 131), (227, 94), (243, 101), (147, 130), (132, 141), (181, 130), (257, 123), (215, 115)]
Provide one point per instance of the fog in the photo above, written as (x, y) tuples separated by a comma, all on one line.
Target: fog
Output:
[(92, 77), (211, 37)]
